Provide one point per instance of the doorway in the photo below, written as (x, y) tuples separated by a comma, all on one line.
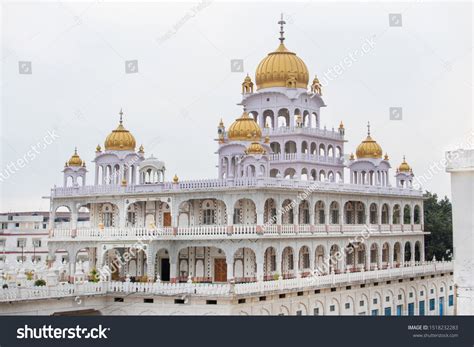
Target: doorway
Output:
[(165, 269), (220, 270), (166, 219)]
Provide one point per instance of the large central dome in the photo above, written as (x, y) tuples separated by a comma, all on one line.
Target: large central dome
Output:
[(282, 68)]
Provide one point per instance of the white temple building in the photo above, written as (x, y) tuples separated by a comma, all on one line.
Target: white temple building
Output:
[(280, 231)]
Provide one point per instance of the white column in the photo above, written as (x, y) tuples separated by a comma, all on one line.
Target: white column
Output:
[(461, 167)]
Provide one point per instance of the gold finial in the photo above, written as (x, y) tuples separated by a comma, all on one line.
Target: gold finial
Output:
[(121, 114), (221, 123), (98, 148), (386, 156), (368, 128), (141, 149), (267, 139), (282, 31), (175, 178), (352, 156), (316, 86), (341, 125)]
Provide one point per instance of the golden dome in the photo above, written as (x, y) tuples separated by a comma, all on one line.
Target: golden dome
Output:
[(385, 157), (175, 178), (369, 148), (341, 125), (244, 128), (282, 68), (255, 148), (404, 167), (75, 159), (120, 139)]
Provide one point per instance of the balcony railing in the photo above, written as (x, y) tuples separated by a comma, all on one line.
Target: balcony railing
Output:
[(215, 289), (224, 231), (324, 133), (306, 157), (219, 185)]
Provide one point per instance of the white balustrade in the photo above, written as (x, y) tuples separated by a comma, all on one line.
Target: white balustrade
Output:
[(218, 184), (30, 292), (304, 229)]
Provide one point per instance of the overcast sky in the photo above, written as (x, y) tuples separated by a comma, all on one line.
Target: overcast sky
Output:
[(184, 85)]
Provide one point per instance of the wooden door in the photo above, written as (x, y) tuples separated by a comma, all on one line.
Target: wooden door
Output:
[(220, 270), (166, 219)]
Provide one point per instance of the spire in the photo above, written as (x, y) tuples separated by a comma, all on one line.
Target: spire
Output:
[(368, 128), (75, 151), (121, 114), (282, 22)]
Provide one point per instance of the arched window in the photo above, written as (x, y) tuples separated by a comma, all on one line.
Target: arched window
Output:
[(396, 214), (208, 213), (373, 214), (417, 215), (406, 215), (319, 212), (334, 210)]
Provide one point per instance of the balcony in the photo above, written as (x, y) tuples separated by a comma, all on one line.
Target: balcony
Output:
[(210, 232), (219, 185), (321, 133), (285, 157), (223, 290)]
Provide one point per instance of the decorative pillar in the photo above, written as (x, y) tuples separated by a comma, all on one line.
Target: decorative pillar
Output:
[(229, 259), (278, 259)]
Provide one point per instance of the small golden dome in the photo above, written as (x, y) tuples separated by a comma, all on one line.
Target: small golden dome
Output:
[(341, 125), (352, 156), (385, 157), (282, 68), (75, 159), (141, 149), (221, 123), (244, 128), (98, 148), (369, 148), (175, 178), (120, 139), (267, 139), (404, 167), (255, 148)]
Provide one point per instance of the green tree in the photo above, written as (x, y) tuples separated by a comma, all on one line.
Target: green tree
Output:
[(439, 222)]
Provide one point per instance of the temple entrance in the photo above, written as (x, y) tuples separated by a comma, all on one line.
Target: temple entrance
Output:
[(165, 269), (166, 219), (220, 270)]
